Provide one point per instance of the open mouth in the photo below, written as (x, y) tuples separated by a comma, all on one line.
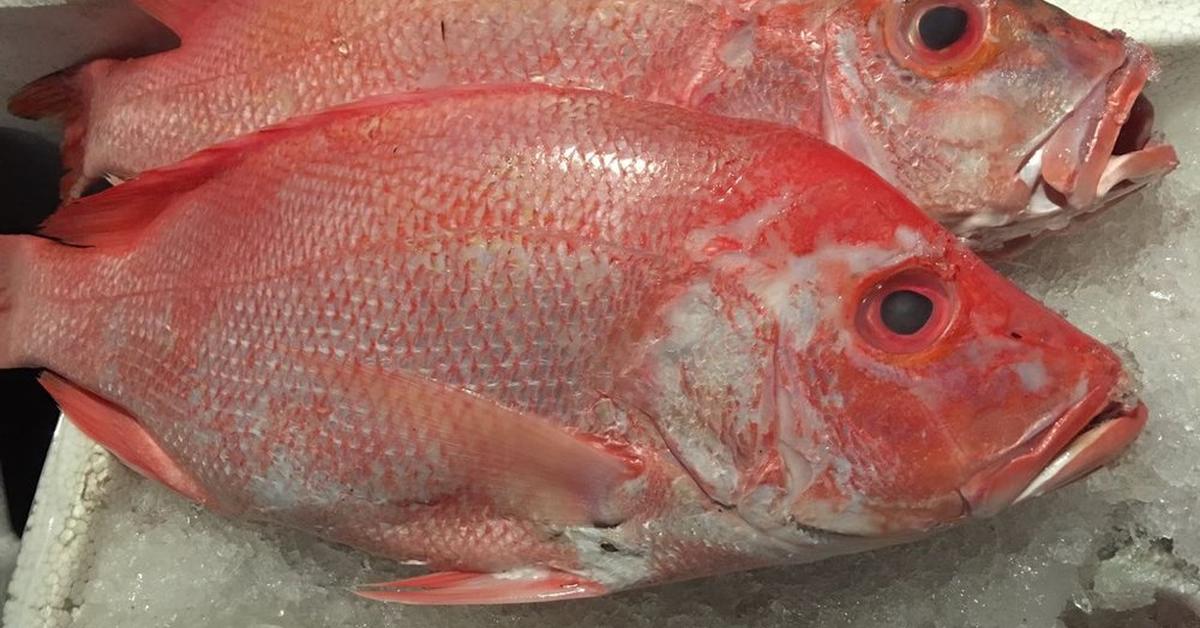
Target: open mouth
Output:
[(1089, 436), (1105, 150), (1099, 443)]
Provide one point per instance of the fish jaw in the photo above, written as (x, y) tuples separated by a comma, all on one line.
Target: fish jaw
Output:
[(1105, 150), (1090, 435), (1082, 161)]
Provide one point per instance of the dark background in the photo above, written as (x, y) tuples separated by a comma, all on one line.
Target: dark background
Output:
[(29, 173)]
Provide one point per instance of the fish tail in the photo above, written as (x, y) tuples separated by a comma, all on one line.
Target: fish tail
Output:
[(65, 95)]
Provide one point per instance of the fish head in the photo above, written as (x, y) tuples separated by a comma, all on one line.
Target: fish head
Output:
[(838, 363), (1002, 118), (935, 390)]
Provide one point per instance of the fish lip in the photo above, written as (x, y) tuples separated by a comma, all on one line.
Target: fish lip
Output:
[(1088, 436), (1078, 171), (1096, 445)]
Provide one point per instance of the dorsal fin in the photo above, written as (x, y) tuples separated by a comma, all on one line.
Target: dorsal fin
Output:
[(117, 216), (176, 14)]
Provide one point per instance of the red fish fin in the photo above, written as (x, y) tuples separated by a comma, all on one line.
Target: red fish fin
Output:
[(450, 588), (110, 219), (65, 95), (117, 216), (52, 96), (520, 461), (121, 434), (176, 14)]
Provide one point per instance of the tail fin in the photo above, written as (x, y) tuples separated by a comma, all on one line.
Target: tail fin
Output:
[(53, 95), (65, 95)]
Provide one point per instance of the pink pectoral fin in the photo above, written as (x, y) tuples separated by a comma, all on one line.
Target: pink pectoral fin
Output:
[(121, 434), (522, 463), (450, 588)]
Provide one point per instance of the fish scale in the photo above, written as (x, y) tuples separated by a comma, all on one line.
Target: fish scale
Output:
[(969, 133), (553, 343), (339, 52)]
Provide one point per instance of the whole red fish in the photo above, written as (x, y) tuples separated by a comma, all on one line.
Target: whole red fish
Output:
[(554, 344), (949, 100)]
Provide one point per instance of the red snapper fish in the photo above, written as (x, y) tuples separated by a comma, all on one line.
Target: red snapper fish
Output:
[(554, 344), (949, 100)]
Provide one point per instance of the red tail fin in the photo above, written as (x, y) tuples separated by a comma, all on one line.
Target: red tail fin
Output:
[(65, 95), (54, 95)]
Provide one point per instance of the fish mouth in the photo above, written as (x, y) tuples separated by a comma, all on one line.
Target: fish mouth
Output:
[(1106, 149), (1089, 436)]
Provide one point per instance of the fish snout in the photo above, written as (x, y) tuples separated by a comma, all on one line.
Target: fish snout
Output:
[(1089, 435)]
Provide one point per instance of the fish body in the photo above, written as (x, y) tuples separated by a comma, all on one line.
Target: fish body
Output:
[(554, 343), (967, 131)]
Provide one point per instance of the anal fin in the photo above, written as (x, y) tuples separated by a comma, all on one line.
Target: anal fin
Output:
[(121, 434), (450, 588)]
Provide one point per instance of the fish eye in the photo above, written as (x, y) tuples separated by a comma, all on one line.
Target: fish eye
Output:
[(906, 312), (935, 38), (942, 27)]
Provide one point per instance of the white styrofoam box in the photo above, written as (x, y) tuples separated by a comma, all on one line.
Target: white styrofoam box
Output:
[(106, 548), (55, 551)]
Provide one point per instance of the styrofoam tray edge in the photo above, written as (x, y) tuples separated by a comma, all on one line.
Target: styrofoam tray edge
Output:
[(56, 550)]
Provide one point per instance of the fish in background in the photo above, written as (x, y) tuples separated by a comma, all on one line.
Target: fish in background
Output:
[(554, 344), (1001, 118)]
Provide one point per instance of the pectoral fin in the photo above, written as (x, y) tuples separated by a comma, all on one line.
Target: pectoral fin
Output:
[(524, 464)]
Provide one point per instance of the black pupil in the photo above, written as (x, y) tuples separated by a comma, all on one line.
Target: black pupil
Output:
[(942, 27), (905, 312)]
